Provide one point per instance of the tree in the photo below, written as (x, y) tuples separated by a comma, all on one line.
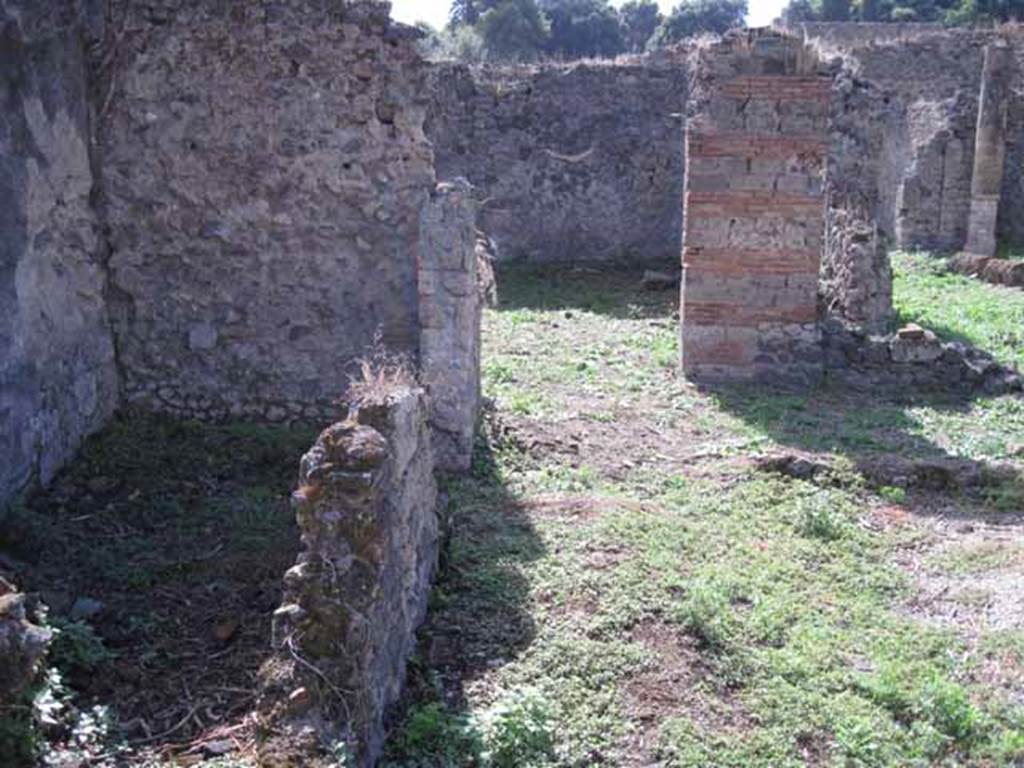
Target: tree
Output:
[(835, 10), (694, 17), (639, 20), (513, 30), (463, 13), (798, 11), (582, 28)]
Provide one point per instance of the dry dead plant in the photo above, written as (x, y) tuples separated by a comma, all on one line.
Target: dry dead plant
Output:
[(381, 372)]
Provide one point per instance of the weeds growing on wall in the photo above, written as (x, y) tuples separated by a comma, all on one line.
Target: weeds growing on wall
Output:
[(381, 372)]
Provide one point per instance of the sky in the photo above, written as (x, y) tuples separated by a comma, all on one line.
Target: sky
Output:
[(435, 12)]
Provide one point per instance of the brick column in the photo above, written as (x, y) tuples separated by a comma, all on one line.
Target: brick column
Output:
[(754, 212), (989, 150)]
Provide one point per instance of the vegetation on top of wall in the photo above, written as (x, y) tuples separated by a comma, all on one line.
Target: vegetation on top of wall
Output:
[(947, 11), (527, 30)]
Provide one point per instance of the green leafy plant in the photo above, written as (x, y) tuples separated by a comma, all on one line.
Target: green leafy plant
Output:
[(518, 731)]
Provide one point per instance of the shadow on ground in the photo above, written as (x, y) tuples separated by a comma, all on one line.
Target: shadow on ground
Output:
[(887, 440), (159, 552), (480, 616)]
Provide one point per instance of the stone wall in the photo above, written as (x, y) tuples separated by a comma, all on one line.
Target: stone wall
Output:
[(264, 168), (58, 381), (754, 218), (930, 80), (912, 359), (367, 510), (570, 163)]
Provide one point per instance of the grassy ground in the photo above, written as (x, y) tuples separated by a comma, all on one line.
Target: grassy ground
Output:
[(958, 307), (627, 587), (627, 584), (178, 534)]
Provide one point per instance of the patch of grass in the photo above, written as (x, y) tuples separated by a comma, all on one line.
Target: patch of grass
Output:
[(978, 558), (956, 307)]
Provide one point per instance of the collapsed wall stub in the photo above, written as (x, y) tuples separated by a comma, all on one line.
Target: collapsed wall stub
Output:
[(367, 511), (989, 150), (754, 208)]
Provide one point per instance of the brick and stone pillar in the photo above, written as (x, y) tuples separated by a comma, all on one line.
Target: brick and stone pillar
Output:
[(754, 211), (989, 150)]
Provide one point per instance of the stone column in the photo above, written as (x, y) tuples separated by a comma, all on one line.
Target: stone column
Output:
[(450, 307), (989, 150)]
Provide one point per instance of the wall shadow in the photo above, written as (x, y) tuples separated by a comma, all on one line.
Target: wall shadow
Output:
[(479, 617), (882, 437), (159, 553)]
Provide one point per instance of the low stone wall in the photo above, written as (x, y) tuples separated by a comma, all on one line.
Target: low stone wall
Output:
[(912, 359), (58, 380), (367, 510), (991, 270)]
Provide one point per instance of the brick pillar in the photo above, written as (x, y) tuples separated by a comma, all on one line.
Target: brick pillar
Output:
[(754, 212), (989, 150)]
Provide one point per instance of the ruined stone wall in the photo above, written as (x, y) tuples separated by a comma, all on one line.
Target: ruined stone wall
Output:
[(58, 381), (757, 144), (264, 168), (367, 511), (929, 79), (570, 163)]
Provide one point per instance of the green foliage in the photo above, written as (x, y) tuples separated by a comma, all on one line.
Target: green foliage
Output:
[(523, 30), (893, 494), (77, 649), (514, 30), (835, 10), (695, 17), (947, 11), (517, 731), (583, 28), (640, 19), (823, 515), (960, 308), (433, 737)]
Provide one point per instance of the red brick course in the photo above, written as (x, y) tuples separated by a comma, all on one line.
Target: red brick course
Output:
[(766, 145), (779, 88), (753, 203), (751, 261)]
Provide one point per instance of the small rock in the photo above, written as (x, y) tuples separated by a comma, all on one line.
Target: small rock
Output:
[(223, 631), (911, 331), (85, 608), (218, 748)]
